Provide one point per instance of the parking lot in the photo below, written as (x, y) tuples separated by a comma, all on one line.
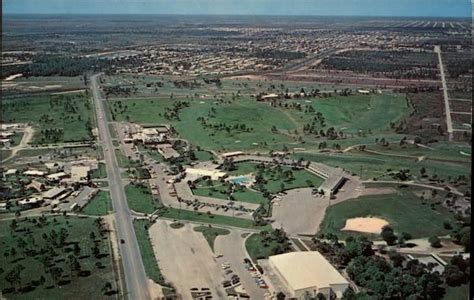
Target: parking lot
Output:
[(186, 260)]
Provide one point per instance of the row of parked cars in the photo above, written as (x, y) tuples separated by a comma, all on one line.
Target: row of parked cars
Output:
[(255, 273), (234, 278)]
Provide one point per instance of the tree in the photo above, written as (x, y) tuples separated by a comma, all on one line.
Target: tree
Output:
[(435, 242), (107, 287), (280, 296), (388, 235)]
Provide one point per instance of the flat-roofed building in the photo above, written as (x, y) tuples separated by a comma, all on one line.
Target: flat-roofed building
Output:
[(34, 173), (54, 192), (307, 274)]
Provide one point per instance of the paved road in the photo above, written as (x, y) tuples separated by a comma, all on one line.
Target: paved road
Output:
[(135, 277), (449, 122)]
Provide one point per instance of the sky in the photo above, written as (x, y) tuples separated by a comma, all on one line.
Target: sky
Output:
[(421, 8)]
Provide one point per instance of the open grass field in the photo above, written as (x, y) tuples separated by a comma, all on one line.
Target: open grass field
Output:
[(211, 233), (50, 266), (404, 211), (348, 114), (175, 214), (139, 199), (100, 172), (59, 118), (148, 255), (376, 166), (100, 205)]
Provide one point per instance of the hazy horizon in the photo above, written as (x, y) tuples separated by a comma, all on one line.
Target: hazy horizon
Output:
[(355, 8)]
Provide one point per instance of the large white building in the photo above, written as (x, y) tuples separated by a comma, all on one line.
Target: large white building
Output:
[(307, 274)]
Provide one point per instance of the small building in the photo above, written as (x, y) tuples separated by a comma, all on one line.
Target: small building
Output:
[(54, 192), (34, 173), (363, 92), (167, 151), (307, 274), (35, 185), (55, 177), (231, 154), (10, 172), (30, 202)]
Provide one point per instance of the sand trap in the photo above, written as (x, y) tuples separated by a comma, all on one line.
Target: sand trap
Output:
[(368, 225)]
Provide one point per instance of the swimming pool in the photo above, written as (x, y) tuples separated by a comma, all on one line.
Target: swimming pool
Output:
[(240, 180)]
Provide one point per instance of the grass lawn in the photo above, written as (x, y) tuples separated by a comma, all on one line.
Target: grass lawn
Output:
[(377, 165), (139, 199), (38, 257), (100, 172), (148, 255), (457, 293), (123, 161), (259, 247), (403, 210), (218, 190), (211, 233), (344, 113), (173, 213), (275, 178), (69, 113), (100, 205), (203, 155)]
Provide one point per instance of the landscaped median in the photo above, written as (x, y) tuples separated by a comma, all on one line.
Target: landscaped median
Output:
[(177, 214), (266, 243), (211, 233)]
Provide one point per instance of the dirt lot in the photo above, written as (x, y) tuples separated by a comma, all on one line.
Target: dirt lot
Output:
[(186, 260), (369, 225)]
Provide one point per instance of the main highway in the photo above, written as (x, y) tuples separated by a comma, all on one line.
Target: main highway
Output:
[(134, 271)]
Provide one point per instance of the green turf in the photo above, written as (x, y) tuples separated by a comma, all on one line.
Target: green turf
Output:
[(100, 205), (69, 113), (148, 255), (100, 172), (257, 248), (78, 230), (211, 233), (403, 210), (457, 293), (218, 190), (274, 178), (139, 199), (174, 213), (344, 113)]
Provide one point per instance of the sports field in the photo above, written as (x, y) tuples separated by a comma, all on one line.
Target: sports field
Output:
[(57, 118), (404, 211)]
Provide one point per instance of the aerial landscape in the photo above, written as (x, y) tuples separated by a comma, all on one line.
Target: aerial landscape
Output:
[(224, 150)]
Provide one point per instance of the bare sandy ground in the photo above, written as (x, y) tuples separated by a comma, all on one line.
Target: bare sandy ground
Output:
[(186, 260), (368, 224)]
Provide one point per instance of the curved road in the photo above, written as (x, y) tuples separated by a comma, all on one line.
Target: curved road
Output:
[(135, 276)]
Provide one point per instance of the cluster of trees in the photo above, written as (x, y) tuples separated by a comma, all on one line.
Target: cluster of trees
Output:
[(118, 90), (393, 277), (54, 250), (172, 113), (186, 84), (229, 128), (391, 64)]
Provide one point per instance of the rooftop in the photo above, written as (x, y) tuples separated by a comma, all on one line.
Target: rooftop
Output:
[(303, 270)]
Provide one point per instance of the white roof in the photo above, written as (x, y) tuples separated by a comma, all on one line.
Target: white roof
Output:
[(10, 171), (56, 175), (232, 153), (53, 193), (34, 173), (309, 269), (214, 174)]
